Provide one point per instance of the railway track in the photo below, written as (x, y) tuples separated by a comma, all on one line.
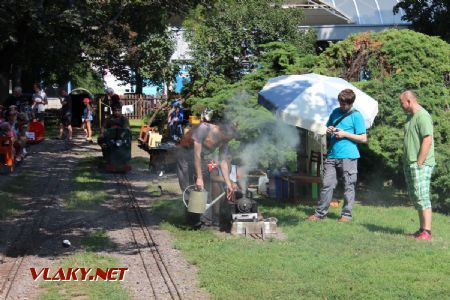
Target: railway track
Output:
[(27, 237), (157, 272)]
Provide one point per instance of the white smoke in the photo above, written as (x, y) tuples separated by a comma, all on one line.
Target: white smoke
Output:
[(271, 146)]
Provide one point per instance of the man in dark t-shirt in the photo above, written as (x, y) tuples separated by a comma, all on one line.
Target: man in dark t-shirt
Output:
[(65, 118), (117, 120), (112, 99), (200, 141)]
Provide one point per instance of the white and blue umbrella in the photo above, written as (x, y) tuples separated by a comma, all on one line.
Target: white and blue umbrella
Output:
[(306, 101)]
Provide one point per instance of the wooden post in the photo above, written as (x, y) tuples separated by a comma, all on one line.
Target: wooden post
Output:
[(302, 153)]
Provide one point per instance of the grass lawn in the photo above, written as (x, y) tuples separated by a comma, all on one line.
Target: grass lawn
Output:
[(88, 188), (85, 289), (135, 126), (369, 258)]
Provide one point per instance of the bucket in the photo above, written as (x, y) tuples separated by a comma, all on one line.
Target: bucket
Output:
[(35, 133), (197, 202)]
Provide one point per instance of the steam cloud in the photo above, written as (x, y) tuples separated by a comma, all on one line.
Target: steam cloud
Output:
[(276, 137)]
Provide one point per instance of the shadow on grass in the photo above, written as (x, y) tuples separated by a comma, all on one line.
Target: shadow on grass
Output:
[(283, 211), (172, 212), (8, 207), (97, 241), (288, 214), (383, 229), (384, 196)]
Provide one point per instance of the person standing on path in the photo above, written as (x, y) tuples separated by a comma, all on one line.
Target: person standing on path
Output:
[(201, 141), (112, 100), (347, 129), (87, 119), (39, 101), (418, 160), (65, 119)]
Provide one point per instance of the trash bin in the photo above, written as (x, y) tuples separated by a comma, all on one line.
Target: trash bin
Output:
[(281, 188)]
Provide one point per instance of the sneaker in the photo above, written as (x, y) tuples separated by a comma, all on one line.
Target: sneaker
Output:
[(424, 235), (202, 226), (414, 235), (313, 218), (344, 219)]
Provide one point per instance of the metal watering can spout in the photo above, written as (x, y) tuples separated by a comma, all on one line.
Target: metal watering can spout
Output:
[(198, 200)]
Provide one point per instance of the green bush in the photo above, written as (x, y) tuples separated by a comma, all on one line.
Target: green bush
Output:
[(398, 60)]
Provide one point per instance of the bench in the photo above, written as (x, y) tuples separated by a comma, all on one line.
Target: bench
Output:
[(313, 182)]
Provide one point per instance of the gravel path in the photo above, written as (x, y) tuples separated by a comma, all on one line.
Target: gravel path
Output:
[(35, 234)]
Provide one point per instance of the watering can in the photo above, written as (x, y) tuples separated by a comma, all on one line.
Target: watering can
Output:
[(198, 200)]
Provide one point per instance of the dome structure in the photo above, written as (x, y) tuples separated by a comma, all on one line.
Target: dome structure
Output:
[(336, 19)]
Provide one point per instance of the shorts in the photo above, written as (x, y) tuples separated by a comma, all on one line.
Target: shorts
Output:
[(40, 116), (66, 121), (418, 181)]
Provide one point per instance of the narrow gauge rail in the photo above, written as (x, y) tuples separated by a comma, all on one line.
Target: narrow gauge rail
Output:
[(25, 240), (150, 253)]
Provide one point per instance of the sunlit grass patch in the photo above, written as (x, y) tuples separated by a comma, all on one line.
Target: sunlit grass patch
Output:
[(135, 127), (85, 289), (88, 190), (368, 258), (154, 189)]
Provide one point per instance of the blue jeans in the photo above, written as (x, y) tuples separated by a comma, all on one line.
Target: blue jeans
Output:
[(175, 130)]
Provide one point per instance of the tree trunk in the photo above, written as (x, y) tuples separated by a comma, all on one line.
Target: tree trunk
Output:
[(4, 84), (139, 82), (16, 76)]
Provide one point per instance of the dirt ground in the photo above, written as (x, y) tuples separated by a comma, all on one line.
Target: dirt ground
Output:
[(36, 232)]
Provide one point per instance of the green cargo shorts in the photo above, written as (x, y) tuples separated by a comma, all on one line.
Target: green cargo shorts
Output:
[(418, 180)]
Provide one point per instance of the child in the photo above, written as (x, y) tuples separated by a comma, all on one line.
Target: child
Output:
[(87, 119)]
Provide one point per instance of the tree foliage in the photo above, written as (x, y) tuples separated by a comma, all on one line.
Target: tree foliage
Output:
[(42, 40), (225, 37), (429, 17), (399, 60)]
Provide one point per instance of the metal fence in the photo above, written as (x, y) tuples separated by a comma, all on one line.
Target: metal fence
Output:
[(142, 104)]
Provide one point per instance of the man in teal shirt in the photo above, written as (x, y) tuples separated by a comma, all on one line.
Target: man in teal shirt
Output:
[(347, 129), (418, 160)]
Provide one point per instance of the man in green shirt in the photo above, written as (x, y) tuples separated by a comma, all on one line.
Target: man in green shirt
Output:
[(418, 160)]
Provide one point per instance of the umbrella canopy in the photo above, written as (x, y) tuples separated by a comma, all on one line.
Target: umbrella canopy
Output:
[(307, 100)]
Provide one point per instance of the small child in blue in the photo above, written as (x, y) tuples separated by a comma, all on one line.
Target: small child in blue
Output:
[(87, 119)]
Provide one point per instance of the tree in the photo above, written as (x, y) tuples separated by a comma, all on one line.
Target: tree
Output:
[(225, 37), (135, 43), (429, 17), (41, 40), (38, 39)]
